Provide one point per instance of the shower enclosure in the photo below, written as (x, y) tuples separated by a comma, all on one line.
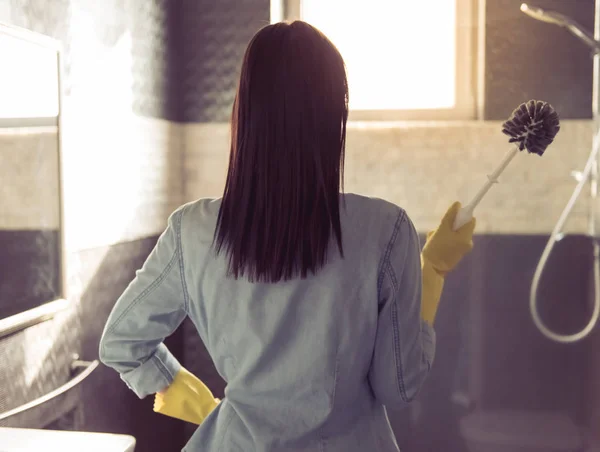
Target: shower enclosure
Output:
[(589, 175), (517, 367)]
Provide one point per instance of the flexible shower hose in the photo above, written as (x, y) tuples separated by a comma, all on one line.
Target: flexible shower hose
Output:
[(555, 237)]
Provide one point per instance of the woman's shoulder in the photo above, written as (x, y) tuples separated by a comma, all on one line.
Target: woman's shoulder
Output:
[(202, 211), (372, 206), (370, 218), (204, 205)]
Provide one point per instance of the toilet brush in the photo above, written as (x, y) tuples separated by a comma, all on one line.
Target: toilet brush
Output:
[(532, 126)]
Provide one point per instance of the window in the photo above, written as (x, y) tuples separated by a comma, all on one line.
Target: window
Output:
[(405, 59), (28, 82)]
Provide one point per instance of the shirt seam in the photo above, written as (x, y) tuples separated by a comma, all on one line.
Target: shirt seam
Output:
[(179, 250), (386, 256), (397, 342), (150, 288)]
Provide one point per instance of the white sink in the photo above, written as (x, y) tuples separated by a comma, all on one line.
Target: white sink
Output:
[(26, 440)]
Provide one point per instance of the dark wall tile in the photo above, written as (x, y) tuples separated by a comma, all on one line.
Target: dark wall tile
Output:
[(520, 366), (528, 59), (34, 362), (490, 356), (37, 360), (29, 269), (525, 58), (215, 36), (156, 66), (593, 387)]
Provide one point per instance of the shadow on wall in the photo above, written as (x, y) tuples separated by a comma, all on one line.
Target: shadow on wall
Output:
[(103, 401)]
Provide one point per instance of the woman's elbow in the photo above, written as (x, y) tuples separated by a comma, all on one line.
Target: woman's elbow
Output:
[(103, 354), (413, 389), (106, 352), (401, 390)]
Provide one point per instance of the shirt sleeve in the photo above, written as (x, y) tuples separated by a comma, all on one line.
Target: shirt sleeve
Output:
[(151, 308), (405, 344)]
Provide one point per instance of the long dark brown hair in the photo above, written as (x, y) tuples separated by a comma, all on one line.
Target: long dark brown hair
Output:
[(281, 204)]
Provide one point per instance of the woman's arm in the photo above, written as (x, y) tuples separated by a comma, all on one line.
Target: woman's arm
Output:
[(442, 252), (411, 284), (151, 308), (404, 345)]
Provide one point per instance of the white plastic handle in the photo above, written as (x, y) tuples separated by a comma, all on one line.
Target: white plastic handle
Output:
[(465, 214)]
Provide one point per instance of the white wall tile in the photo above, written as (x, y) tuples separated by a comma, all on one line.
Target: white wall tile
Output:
[(424, 167), (29, 178)]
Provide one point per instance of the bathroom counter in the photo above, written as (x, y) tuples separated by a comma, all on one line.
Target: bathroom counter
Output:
[(25, 440)]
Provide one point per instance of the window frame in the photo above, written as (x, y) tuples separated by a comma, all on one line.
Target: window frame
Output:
[(51, 45), (45, 311), (467, 59)]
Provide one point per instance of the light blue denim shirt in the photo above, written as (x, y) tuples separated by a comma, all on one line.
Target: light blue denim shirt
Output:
[(309, 363)]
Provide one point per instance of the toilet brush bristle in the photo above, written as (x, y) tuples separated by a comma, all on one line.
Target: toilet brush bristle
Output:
[(532, 126)]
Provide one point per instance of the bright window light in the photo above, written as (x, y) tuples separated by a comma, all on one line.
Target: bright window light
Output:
[(28, 80), (399, 54)]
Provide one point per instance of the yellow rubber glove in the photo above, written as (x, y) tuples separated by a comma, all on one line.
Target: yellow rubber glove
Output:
[(443, 250), (445, 247), (187, 398), (431, 291)]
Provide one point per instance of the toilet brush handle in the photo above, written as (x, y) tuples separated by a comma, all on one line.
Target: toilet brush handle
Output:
[(465, 214)]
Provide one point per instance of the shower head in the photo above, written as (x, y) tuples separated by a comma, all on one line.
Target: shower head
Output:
[(552, 17)]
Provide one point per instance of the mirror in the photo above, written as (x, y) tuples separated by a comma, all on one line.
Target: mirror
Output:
[(32, 273)]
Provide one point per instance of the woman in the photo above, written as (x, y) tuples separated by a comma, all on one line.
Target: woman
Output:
[(310, 302)]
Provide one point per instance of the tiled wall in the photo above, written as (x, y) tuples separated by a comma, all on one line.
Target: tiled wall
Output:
[(128, 76), (122, 168), (29, 218), (529, 59), (215, 34), (28, 191), (424, 167)]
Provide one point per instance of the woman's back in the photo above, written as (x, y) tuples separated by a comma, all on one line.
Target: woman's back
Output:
[(308, 301), (309, 362)]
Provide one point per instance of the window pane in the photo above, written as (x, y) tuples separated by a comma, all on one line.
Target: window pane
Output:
[(400, 54), (28, 80)]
